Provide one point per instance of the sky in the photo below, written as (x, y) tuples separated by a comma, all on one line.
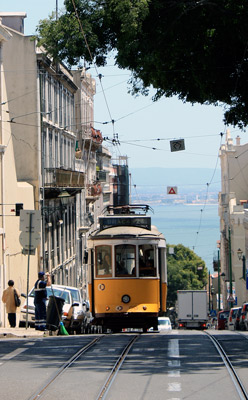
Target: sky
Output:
[(139, 122)]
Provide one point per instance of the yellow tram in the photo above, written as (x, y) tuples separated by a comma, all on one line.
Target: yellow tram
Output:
[(127, 280)]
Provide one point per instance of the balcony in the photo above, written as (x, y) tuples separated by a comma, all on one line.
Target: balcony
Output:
[(93, 140), (101, 175), (93, 192), (57, 177)]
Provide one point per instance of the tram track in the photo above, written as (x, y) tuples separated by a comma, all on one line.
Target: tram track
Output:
[(63, 368), (105, 388), (44, 389), (242, 392)]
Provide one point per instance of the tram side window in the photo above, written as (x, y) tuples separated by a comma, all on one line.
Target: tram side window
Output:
[(147, 265), (125, 260), (103, 261)]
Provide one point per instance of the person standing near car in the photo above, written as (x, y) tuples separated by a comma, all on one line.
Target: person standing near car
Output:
[(40, 297), (9, 299)]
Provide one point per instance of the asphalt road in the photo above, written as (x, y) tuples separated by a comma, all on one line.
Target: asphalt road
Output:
[(175, 365)]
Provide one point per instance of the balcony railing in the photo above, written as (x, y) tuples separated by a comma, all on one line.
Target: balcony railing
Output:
[(56, 177)]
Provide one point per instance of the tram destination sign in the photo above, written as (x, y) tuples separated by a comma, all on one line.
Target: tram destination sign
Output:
[(138, 221)]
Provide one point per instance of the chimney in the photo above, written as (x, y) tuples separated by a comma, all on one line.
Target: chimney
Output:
[(237, 141)]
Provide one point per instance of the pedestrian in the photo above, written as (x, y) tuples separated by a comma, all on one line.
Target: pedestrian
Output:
[(9, 299), (40, 297)]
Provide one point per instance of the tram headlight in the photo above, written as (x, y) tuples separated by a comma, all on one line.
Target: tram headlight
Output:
[(126, 298)]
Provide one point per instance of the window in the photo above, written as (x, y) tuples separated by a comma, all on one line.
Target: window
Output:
[(56, 151), (44, 148), (55, 102), (147, 265), (43, 90), (60, 105), (49, 80), (64, 109), (61, 151), (103, 261), (50, 149), (65, 154), (125, 260)]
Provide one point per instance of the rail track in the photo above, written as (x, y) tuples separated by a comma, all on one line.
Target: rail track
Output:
[(242, 392), (44, 389)]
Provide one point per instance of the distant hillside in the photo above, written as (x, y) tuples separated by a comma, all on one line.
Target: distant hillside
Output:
[(186, 179)]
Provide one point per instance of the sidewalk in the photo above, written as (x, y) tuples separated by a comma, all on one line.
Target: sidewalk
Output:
[(21, 333)]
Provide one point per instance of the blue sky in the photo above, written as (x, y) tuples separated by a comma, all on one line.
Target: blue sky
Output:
[(138, 121)]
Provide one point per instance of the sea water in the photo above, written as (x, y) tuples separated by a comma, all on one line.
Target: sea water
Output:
[(194, 226)]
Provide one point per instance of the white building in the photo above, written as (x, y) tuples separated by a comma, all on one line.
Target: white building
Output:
[(233, 200)]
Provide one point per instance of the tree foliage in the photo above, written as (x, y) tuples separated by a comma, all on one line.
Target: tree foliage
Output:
[(194, 49), (186, 271)]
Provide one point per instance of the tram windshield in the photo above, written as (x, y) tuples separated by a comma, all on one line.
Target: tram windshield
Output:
[(103, 261), (125, 260)]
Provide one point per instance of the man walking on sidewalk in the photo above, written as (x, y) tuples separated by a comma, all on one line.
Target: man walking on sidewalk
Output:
[(9, 299), (40, 297)]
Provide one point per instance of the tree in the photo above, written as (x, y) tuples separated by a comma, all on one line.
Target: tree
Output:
[(194, 49), (186, 271)]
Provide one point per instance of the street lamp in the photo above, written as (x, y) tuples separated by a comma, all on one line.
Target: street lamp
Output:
[(239, 253), (64, 197), (242, 257)]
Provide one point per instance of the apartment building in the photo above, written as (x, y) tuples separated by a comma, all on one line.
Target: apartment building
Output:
[(40, 111), (233, 200), (13, 264)]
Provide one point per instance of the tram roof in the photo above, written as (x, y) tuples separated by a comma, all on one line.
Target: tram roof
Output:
[(131, 231)]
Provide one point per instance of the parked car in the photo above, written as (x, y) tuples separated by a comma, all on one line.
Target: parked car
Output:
[(222, 318), (164, 324), (238, 319), (231, 323), (244, 318), (72, 313)]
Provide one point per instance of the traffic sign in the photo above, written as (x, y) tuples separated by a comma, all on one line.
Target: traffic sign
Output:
[(35, 220), (29, 241), (171, 189), (231, 299), (177, 145)]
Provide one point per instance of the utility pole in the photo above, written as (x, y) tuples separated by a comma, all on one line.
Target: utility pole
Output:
[(230, 263), (218, 279)]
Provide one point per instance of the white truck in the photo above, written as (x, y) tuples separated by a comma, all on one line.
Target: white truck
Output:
[(192, 309)]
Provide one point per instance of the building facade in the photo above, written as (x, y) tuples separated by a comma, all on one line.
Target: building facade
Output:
[(233, 200)]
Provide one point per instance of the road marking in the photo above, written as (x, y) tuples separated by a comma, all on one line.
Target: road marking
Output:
[(173, 352), (12, 354), (174, 374), (174, 387)]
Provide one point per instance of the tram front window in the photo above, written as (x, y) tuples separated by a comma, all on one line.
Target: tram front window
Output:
[(103, 261), (125, 260), (147, 265)]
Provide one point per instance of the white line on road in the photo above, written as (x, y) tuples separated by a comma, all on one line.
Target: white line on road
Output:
[(13, 354), (173, 352)]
